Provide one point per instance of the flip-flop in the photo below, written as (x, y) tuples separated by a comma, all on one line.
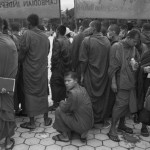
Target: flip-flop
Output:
[(13, 143), (125, 129), (48, 121), (58, 138), (113, 137), (27, 125)]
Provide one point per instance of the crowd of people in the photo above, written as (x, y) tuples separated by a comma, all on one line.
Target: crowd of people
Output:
[(98, 78)]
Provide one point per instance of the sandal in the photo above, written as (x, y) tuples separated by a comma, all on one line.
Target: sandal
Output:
[(48, 121), (113, 137), (144, 132), (27, 125), (59, 138), (12, 146), (125, 129)]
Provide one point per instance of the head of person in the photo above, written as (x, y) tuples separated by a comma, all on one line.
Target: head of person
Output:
[(61, 30), (5, 26), (41, 27), (15, 27), (113, 31), (33, 21), (104, 27), (71, 80), (146, 27), (133, 37), (95, 26), (123, 31)]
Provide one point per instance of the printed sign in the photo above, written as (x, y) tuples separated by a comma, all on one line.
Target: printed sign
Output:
[(23, 8), (117, 9)]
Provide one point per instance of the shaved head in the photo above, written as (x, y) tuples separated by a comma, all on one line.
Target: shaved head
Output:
[(96, 25)]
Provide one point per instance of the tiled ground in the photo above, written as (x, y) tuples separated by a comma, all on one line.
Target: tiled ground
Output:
[(41, 139)]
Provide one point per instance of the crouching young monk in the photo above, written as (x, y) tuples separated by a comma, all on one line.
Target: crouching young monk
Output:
[(75, 113)]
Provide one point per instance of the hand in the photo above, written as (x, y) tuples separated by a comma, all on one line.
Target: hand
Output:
[(114, 87), (147, 69), (3, 91)]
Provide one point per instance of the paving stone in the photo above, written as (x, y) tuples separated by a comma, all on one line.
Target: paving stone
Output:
[(103, 148), (27, 135), (105, 131), (54, 147), (70, 147), (138, 126), (90, 136), (39, 116), (136, 131), (77, 142), (143, 144), (50, 130), (19, 140), (21, 147), (19, 119), (38, 130), (32, 141), (110, 143), (62, 143), (119, 148), (130, 121), (26, 119), (18, 124), (130, 126), (21, 130), (136, 148), (42, 135), (37, 124), (47, 141), (126, 144), (37, 147), (40, 120), (86, 148), (101, 137), (43, 125), (94, 143), (145, 138), (53, 134), (17, 134), (94, 131)]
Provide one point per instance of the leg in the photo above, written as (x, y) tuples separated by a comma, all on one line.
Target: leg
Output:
[(47, 120), (29, 125), (9, 143), (144, 130)]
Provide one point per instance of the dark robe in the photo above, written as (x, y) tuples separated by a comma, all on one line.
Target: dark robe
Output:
[(34, 49), (8, 69), (143, 81), (74, 114), (94, 54), (60, 63)]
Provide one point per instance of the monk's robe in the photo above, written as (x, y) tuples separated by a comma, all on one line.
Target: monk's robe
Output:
[(74, 114), (60, 62), (94, 54), (120, 57), (34, 49), (143, 80), (8, 69)]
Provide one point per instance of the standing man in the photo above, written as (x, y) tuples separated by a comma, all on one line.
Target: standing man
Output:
[(8, 69), (60, 63), (122, 69), (34, 49), (94, 62)]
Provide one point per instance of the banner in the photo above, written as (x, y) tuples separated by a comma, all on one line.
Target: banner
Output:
[(23, 8), (116, 9)]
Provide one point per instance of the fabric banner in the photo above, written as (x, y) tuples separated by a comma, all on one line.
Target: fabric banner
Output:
[(23, 8), (116, 9)]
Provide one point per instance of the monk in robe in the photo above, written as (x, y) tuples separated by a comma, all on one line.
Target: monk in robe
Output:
[(94, 62), (75, 114), (34, 49), (60, 63), (8, 69), (122, 72)]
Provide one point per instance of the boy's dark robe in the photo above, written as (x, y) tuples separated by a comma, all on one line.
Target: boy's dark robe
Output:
[(94, 54), (74, 114), (34, 49), (8, 69)]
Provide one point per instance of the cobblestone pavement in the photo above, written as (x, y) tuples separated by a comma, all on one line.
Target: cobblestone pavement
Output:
[(41, 138)]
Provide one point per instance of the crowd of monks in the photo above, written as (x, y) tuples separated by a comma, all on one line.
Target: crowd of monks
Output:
[(98, 77)]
